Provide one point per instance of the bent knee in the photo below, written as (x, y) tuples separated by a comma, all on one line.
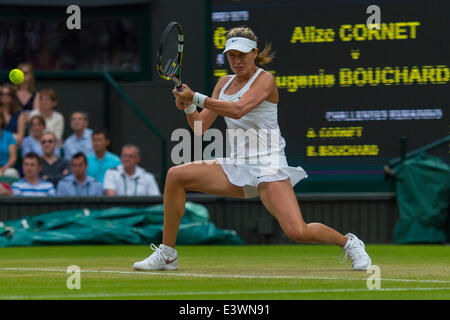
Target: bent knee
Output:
[(175, 175), (179, 175)]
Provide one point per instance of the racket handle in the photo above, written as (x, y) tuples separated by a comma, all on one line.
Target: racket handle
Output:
[(179, 88)]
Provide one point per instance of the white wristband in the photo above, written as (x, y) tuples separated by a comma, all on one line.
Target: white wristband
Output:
[(191, 109), (199, 99)]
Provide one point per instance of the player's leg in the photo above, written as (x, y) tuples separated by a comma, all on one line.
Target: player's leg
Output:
[(280, 200), (203, 176)]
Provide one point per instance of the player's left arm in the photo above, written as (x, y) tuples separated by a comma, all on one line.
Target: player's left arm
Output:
[(262, 89)]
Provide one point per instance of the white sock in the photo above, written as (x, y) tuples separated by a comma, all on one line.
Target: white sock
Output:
[(348, 243), (169, 250)]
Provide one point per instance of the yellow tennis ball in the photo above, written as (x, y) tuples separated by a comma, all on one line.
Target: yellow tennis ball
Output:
[(16, 76)]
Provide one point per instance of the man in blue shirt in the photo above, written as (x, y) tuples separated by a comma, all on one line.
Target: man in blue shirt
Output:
[(79, 183), (31, 185), (81, 138), (101, 160)]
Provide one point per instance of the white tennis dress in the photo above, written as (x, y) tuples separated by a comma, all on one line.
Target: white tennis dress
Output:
[(256, 146)]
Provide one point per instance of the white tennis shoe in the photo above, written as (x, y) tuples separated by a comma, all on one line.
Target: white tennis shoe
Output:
[(162, 258), (355, 250)]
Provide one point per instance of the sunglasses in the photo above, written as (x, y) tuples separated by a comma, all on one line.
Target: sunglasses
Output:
[(5, 93), (47, 141)]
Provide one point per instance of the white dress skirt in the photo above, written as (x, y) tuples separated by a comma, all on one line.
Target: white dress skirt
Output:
[(261, 120), (250, 176)]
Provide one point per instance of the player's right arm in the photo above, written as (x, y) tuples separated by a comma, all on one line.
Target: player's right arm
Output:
[(207, 117)]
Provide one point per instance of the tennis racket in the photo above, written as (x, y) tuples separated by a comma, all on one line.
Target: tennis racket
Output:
[(170, 54)]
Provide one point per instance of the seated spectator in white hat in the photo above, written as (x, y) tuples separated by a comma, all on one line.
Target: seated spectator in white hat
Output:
[(128, 179)]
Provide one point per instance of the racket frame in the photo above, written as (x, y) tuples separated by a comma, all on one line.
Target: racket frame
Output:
[(175, 72)]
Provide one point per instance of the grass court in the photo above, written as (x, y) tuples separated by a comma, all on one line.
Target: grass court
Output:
[(279, 272)]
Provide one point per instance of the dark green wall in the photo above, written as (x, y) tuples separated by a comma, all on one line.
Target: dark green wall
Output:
[(85, 95)]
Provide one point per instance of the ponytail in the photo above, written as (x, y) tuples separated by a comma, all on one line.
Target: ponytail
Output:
[(265, 56)]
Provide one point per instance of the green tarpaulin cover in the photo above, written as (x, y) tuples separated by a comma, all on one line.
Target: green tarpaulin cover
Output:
[(423, 187), (118, 225)]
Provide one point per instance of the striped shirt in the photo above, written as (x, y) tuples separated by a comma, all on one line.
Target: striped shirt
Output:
[(23, 188)]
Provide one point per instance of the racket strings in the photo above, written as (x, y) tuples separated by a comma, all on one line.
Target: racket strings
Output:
[(169, 56), (168, 69)]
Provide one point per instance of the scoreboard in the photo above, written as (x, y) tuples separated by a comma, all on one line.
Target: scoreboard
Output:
[(349, 88)]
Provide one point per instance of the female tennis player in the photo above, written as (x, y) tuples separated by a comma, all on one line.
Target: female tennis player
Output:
[(247, 100)]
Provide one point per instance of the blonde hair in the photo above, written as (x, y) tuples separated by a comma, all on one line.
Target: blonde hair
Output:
[(31, 84), (49, 93), (265, 56)]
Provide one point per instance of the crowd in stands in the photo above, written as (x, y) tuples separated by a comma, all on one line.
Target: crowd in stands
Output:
[(32, 132), (103, 43)]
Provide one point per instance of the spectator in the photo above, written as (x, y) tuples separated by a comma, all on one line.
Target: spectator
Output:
[(8, 154), (128, 179), (53, 167), (15, 118), (5, 189), (79, 183), (53, 119), (32, 143), (31, 185), (81, 138), (26, 93), (101, 160)]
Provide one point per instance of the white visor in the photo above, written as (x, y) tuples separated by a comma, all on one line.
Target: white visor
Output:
[(240, 44)]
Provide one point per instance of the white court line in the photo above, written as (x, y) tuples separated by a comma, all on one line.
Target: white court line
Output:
[(208, 293), (228, 276)]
